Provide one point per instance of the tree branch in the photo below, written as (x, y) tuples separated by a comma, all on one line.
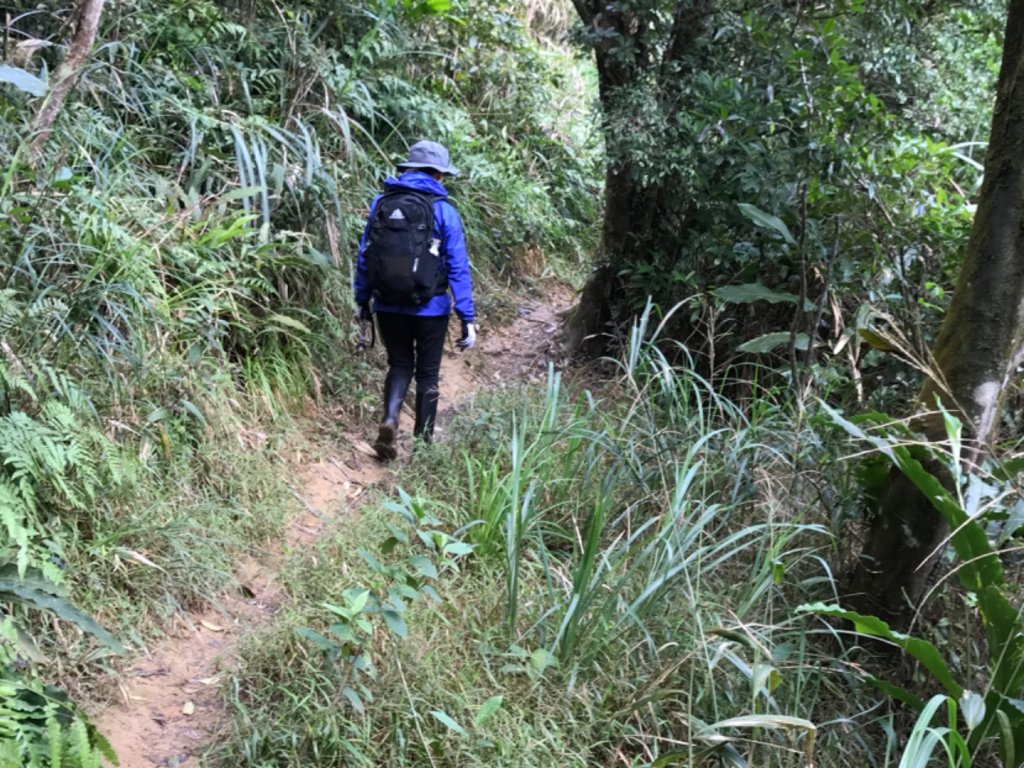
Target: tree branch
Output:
[(67, 73)]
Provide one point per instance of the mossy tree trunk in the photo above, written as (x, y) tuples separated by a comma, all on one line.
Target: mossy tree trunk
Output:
[(630, 53), (977, 353)]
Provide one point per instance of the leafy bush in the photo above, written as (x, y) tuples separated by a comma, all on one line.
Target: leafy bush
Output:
[(981, 519)]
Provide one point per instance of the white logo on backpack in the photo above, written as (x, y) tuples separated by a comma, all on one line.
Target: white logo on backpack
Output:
[(397, 214)]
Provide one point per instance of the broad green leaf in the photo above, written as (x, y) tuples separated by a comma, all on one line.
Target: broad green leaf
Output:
[(404, 590), (13, 591), (751, 292), (338, 610), (192, 409), (767, 221), (1003, 625), (922, 650), (981, 566), (541, 659), (896, 692), (398, 533), (395, 622), (424, 566), (357, 599), (430, 592), (353, 698), (448, 722), (1012, 524), (343, 632), (372, 561), (33, 578), (1009, 469), (158, 414), (458, 549), (22, 80), (770, 341), (487, 709), (1017, 704), (316, 638)]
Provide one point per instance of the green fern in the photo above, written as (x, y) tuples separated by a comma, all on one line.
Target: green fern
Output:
[(17, 518), (53, 461), (14, 384), (41, 728)]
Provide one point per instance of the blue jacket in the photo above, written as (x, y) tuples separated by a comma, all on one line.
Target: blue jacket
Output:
[(448, 229)]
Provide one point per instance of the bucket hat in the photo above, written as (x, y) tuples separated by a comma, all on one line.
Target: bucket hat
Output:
[(428, 154)]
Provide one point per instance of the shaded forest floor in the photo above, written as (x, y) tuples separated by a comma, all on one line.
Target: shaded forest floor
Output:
[(170, 699)]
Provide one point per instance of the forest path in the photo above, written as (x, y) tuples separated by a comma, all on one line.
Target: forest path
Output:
[(171, 700)]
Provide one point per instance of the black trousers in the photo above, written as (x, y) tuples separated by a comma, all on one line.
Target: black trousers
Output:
[(415, 345)]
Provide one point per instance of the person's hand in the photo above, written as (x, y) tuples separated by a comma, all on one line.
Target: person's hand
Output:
[(468, 340), (365, 315)]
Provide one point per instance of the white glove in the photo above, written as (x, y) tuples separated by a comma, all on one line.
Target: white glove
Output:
[(468, 340)]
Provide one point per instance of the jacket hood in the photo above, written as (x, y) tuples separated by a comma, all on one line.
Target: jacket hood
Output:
[(418, 180)]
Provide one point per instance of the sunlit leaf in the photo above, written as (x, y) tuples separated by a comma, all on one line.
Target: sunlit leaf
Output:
[(767, 221), (22, 80), (751, 292), (972, 707), (448, 722), (771, 341), (875, 341), (872, 626), (487, 710)]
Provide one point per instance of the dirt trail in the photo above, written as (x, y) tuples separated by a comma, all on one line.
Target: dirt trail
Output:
[(171, 704)]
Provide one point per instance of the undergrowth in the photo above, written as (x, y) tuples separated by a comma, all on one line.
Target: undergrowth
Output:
[(628, 564), (176, 271)]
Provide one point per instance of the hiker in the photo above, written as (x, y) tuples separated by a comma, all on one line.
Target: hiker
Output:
[(411, 255)]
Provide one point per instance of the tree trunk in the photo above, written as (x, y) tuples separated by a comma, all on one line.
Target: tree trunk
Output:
[(67, 73), (977, 353), (590, 327), (630, 209)]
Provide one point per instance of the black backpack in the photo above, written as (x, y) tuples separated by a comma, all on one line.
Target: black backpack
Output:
[(403, 259)]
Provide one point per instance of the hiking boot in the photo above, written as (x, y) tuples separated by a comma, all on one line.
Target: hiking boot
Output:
[(386, 438), (426, 414)]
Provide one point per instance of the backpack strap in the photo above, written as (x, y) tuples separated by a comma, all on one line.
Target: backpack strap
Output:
[(442, 280)]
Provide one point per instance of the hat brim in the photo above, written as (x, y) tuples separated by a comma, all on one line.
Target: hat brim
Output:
[(421, 166)]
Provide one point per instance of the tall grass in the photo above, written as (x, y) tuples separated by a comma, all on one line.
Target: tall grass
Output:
[(627, 601)]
